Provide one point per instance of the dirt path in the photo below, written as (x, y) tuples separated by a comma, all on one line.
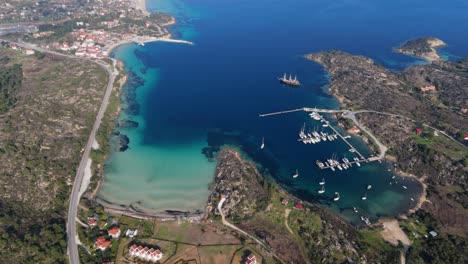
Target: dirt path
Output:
[(286, 215), (393, 233)]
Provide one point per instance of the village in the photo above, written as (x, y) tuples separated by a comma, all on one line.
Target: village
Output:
[(15, 11)]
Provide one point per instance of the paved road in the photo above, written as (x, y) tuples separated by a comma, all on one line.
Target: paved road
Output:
[(382, 147), (74, 196), (381, 113)]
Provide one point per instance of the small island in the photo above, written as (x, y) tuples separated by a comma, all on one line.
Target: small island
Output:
[(423, 48)]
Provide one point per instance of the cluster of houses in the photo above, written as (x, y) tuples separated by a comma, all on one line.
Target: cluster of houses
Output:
[(114, 232), (86, 44), (145, 253), (102, 243)]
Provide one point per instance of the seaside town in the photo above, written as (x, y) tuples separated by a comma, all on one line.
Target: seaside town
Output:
[(70, 28)]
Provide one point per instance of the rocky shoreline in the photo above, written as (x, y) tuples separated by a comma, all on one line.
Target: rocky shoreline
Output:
[(431, 95), (423, 48)]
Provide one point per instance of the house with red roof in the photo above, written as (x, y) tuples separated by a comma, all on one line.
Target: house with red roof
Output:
[(465, 137), (354, 129), (299, 206), (429, 88), (92, 221), (114, 232), (102, 243), (145, 253), (284, 201), (419, 131), (251, 259)]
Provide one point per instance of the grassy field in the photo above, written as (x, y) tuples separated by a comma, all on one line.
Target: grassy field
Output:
[(442, 144)]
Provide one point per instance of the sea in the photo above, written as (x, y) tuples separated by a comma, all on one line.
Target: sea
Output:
[(190, 100)]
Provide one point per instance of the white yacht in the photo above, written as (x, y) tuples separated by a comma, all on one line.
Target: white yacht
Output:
[(322, 190), (322, 182), (296, 174), (337, 197)]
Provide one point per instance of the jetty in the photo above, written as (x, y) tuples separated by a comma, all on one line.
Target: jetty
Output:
[(282, 112), (333, 162)]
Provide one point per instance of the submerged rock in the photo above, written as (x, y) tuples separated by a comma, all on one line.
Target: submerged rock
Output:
[(123, 142), (127, 123)]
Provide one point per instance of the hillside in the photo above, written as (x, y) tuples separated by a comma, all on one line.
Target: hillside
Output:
[(41, 137), (426, 96)]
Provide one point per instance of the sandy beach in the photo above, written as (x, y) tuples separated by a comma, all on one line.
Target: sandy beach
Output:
[(393, 233), (141, 5)]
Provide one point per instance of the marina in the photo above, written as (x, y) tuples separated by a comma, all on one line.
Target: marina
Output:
[(313, 136)]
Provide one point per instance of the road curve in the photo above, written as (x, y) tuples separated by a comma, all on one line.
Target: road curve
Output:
[(226, 223), (74, 196)]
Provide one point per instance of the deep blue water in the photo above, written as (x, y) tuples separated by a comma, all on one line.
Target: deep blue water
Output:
[(214, 90)]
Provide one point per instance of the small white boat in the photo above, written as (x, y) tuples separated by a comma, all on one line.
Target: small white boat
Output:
[(322, 190), (332, 168), (369, 187), (263, 143), (355, 209), (364, 197), (296, 174), (405, 187), (322, 182), (393, 177), (339, 167), (337, 197), (412, 199)]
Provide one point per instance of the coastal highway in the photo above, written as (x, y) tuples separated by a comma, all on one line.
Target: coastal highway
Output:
[(74, 196)]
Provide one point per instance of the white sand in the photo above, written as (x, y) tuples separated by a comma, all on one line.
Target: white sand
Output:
[(86, 178), (95, 145)]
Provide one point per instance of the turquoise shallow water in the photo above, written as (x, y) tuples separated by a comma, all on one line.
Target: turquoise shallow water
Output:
[(210, 94)]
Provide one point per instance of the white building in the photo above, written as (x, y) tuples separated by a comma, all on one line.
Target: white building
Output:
[(145, 253)]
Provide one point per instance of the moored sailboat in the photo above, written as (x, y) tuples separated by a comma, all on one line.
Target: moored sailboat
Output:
[(337, 196), (296, 174), (322, 182)]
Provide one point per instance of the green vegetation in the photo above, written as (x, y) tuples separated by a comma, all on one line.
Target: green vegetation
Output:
[(372, 244), (42, 134), (10, 81), (36, 238), (431, 144), (428, 249)]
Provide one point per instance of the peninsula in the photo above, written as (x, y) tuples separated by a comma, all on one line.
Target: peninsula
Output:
[(424, 130), (423, 48)]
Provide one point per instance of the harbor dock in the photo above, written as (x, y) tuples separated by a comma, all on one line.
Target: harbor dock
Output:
[(315, 137)]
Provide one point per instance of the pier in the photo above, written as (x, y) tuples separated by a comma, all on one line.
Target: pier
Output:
[(345, 140), (332, 163), (282, 112)]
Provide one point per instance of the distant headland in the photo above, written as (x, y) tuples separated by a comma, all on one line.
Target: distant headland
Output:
[(424, 47)]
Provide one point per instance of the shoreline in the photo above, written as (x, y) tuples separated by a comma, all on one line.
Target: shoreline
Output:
[(108, 207), (141, 213), (141, 5), (144, 39)]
